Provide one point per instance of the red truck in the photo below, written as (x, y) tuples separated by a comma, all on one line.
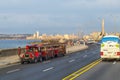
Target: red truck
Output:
[(39, 52)]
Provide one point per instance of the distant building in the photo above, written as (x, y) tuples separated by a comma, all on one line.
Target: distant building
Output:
[(34, 36), (50, 37), (37, 34)]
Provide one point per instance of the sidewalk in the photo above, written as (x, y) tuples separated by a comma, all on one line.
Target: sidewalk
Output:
[(4, 61), (8, 60)]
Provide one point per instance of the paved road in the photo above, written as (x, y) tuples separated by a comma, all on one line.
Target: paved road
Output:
[(54, 69), (103, 71)]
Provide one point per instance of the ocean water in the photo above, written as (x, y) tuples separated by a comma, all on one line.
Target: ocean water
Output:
[(7, 44)]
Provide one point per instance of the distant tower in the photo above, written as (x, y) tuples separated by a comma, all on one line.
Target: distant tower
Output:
[(102, 32), (37, 34), (103, 29)]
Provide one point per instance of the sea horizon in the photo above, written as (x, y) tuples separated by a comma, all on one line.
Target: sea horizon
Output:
[(14, 43)]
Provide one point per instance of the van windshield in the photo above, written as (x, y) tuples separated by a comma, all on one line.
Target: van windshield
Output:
[(114, 39)]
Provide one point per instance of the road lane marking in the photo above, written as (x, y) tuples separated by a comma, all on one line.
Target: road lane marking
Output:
[(48, 69), (86, 51), (85, 56), (47, 61), (5, 66), (94, 52), (66, 56), (72, 60), (82, 70), (114, 62), (11, 71)]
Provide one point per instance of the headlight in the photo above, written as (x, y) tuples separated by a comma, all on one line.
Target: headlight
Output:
[(117, 45), (102, 45)]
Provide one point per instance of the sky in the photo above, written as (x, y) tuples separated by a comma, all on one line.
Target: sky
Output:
[(58, 16)]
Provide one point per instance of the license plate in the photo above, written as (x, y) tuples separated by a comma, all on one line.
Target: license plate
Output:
[(105, 50), (26, 57), (109, 52)]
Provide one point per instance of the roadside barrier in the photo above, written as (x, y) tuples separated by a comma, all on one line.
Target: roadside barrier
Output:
[(9, 52)]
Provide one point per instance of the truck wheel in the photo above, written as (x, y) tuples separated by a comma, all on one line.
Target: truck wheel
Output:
[(63, 54), (56, 55), (35, 60), (52, 55), (31, 61), (40, 59), (22, 62), (28, 62), (46, 57)]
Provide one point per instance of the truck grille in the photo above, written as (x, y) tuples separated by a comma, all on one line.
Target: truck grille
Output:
[(27, 55)]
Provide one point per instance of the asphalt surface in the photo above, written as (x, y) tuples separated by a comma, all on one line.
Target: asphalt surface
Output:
[(54, 69), (108, 70)]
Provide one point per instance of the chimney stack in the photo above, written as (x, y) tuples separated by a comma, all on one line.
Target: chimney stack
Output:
[(103, 30)]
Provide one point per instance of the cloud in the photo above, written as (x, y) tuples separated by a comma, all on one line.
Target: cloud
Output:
[(57, 14), (37, 18), (89, 4), (42, 22)]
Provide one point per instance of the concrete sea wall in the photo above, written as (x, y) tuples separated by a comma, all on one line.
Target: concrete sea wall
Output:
[(9, 52), (9, 56)]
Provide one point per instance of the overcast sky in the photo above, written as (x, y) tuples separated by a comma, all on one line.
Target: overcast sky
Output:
[(58, 16)]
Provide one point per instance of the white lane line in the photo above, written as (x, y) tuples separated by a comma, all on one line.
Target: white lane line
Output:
[(47, 61), (85, 56), (72, 60), (11, 71), (94, 52), (114, 62), (86, 51), (66, 56), (48, 69)]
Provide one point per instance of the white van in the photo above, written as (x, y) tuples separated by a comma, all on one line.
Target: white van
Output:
[(110, 47)]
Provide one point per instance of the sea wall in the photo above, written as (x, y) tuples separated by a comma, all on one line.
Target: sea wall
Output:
[(76, 48), (14, 51), (9, 56), (9, 52)]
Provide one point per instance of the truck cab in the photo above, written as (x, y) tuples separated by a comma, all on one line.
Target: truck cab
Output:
[(31, 54)]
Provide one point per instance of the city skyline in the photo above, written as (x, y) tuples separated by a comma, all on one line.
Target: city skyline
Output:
[(64, 16)]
